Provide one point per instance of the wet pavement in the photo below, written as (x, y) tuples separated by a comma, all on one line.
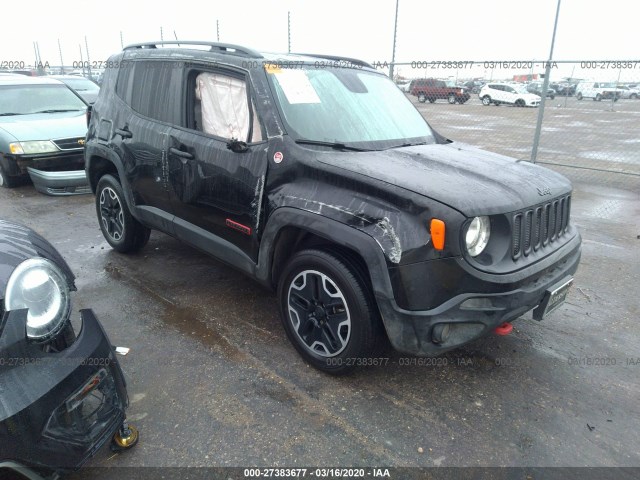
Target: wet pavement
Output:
[(213, 380)]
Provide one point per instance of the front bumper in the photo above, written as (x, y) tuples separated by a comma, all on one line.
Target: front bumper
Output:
[(44, 422), (59, 183), (488, 300)]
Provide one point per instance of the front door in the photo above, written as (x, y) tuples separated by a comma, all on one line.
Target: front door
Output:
[(217, 164)]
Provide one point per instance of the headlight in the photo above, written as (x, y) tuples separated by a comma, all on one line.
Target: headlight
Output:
[(477, 235), (39, 286), (29, 148)]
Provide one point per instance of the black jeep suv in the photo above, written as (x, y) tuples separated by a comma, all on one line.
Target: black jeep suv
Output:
[(317, 177)]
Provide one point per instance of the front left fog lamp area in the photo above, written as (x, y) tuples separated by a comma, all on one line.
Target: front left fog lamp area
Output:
[(39, 286), (84, 416)]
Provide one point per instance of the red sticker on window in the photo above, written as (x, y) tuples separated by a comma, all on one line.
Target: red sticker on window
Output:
[(277, 157)]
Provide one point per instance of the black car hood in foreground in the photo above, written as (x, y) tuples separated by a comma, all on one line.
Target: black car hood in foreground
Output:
[(17, 244), (471, 180)]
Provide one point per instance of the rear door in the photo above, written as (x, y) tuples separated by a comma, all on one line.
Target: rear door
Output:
[(150, 90), (217, 182)]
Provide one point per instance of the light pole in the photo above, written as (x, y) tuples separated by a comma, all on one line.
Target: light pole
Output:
[(545, 86), (395, 33)]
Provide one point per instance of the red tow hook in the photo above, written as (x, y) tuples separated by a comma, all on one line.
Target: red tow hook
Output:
[(504, 329)]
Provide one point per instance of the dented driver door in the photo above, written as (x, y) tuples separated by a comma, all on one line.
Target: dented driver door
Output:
[(217, 183)]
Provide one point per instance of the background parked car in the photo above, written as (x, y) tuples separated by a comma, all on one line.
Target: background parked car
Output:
[(432, 89), (564, 89), (84, 87), (627, 92), (510, 94), (597, 90), (536, 88), (42, 129)]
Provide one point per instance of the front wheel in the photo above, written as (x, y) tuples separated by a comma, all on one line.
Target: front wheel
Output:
[(486, 100), (6, 181), (328, 311), (598, 97), (452, 99), (123, 232), (422, 98), (579, 96), (520, 103)]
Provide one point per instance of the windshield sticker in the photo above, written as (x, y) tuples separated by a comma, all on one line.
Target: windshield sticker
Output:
[(296, 86), (272, 68)]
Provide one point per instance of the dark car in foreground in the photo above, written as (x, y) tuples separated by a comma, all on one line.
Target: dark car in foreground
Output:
[(62, 396), (84, 87), (317, 177), (42, 129)]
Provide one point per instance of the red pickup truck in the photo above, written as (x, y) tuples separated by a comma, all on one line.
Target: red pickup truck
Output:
[(432, 89)]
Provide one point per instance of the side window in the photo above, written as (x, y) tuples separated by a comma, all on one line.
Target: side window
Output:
[(495, 87), (123, 84), (441, 84), (155, 90), (219, 106)]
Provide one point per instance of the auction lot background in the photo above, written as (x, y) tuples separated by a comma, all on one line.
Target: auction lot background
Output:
[(212, 378)]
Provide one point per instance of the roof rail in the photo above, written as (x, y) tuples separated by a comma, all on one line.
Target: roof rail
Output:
[(215, 47), (355, 61)]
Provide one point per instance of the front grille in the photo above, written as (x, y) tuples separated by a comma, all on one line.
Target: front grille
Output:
[(537, 228), (69, 143)]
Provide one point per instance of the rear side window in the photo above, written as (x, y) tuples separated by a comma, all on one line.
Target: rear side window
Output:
[(152, 88)]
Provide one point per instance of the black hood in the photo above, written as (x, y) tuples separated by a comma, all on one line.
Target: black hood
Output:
[(471, 180), (19, 243)]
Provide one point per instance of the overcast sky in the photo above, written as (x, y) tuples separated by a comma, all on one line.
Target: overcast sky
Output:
[(427, 30)]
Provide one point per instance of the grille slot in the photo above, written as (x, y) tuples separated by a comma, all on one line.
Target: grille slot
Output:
[(536, 228), (69, 143)]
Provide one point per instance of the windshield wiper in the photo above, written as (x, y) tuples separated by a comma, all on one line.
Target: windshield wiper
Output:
[(407, 145), (8, 114), (53, 110), (335, 145)]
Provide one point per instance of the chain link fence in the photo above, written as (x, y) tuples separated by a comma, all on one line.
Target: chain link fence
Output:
[(590, 127)]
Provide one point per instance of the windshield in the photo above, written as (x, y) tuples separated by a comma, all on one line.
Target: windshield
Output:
[(346, 105), (450, 83), (81, 84), (27, 99)]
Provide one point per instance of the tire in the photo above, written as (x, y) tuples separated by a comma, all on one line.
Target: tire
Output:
[(520, 103), (552, 97), (422, 97), (451, 99), (633, 96), (7, 181), (432, 100), (579, 96), (598, 97), (486, 100), (317, 282), (123, 232)]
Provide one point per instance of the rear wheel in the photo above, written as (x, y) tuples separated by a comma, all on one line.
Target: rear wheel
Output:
[(633, 95), (598, 97), (123, 232), (486, 100), (432, 100), (579, 96), (328, 311), (422, 97), (451, 98)]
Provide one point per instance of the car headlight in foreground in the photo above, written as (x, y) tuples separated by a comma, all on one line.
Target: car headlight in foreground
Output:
[(32, 147), (40, 286), (477, 235)]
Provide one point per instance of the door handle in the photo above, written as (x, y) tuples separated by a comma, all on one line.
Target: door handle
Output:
[(124, 132), (184, 156)]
